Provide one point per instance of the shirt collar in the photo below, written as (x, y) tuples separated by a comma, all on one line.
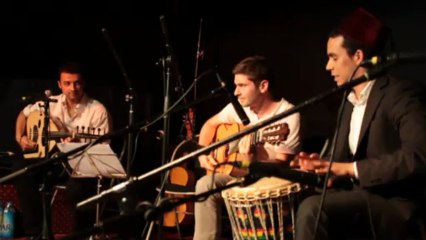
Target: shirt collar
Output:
[(363, 96), (83, 101)]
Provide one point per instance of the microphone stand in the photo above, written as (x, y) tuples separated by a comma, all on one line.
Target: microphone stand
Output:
[(129, 98), (371, 74), (169, 64), (46, 186), (188, 118), (332, 153), (166, 63)]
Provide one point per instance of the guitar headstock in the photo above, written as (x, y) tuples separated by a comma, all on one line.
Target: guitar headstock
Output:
[(275, 133)]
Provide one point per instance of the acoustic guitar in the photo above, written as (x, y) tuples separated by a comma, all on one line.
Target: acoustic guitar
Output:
[(272, 134), (182, 179), (35, 129)]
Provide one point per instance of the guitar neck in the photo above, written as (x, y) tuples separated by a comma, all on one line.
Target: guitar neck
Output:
[(58, 135)]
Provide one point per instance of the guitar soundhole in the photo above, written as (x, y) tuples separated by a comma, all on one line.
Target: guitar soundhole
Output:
[(36, 128), (42, 140), (33, 134), (226, 158)]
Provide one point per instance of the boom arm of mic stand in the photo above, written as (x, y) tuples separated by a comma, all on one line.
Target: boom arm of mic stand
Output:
[(57, 157), (62, 156), (169, 204)]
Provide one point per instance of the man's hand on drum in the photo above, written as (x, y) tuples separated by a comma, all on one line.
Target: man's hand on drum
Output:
[(207, 162), (313, 163)]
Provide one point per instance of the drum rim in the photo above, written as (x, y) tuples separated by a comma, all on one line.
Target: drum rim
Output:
[(283, 188)]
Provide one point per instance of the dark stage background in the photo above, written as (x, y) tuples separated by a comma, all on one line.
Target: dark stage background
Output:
[(38, 36)]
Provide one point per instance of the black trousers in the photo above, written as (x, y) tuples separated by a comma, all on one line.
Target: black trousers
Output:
[(27, 187), (353, 214), (77, 190)]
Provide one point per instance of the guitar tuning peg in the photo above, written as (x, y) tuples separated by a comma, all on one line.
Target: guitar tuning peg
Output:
[(274, 128)]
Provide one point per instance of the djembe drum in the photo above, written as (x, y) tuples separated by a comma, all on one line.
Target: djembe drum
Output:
[(263, 210)]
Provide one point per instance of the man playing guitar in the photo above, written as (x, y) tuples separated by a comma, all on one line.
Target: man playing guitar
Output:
[(253, 86), (72, 112)]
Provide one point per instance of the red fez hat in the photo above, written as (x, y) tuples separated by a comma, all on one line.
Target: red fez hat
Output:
[(364, 28)]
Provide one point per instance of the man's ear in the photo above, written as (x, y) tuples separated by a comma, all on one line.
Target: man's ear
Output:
[(264, 86), (359, 56), (59, 84)]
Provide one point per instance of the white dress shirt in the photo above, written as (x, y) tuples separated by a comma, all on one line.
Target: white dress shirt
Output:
[(356, 118)]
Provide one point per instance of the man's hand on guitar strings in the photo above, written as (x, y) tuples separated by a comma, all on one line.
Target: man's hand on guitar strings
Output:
[(26, 144), (207, 162)]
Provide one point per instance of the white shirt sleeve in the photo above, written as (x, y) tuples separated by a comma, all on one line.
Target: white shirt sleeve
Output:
[(355, 170), (31, 108), (228, 114)]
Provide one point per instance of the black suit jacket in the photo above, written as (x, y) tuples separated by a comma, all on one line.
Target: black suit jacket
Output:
[(391, 152)]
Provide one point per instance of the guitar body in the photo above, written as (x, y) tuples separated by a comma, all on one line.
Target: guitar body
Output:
[(183, 216), (272, 134), (182, 179), (227, 152), (35, 126)]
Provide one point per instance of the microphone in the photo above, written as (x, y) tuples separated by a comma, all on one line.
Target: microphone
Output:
[(237, 106), (372, 73), (7, 154), (25, 99), (415, 57), (171, 58), (48, 94), (166, 35), (216, 90)]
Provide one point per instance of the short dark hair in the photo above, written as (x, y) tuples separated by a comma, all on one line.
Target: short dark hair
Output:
[(256, 68), (70, 67)]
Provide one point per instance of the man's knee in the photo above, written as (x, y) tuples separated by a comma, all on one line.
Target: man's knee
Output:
[(308, 207), (203, 184)]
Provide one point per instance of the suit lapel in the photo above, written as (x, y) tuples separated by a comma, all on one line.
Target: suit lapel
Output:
[(342, 143), (373, 101)]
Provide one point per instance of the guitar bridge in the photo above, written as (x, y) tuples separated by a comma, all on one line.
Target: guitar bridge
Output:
[(29, 151)]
